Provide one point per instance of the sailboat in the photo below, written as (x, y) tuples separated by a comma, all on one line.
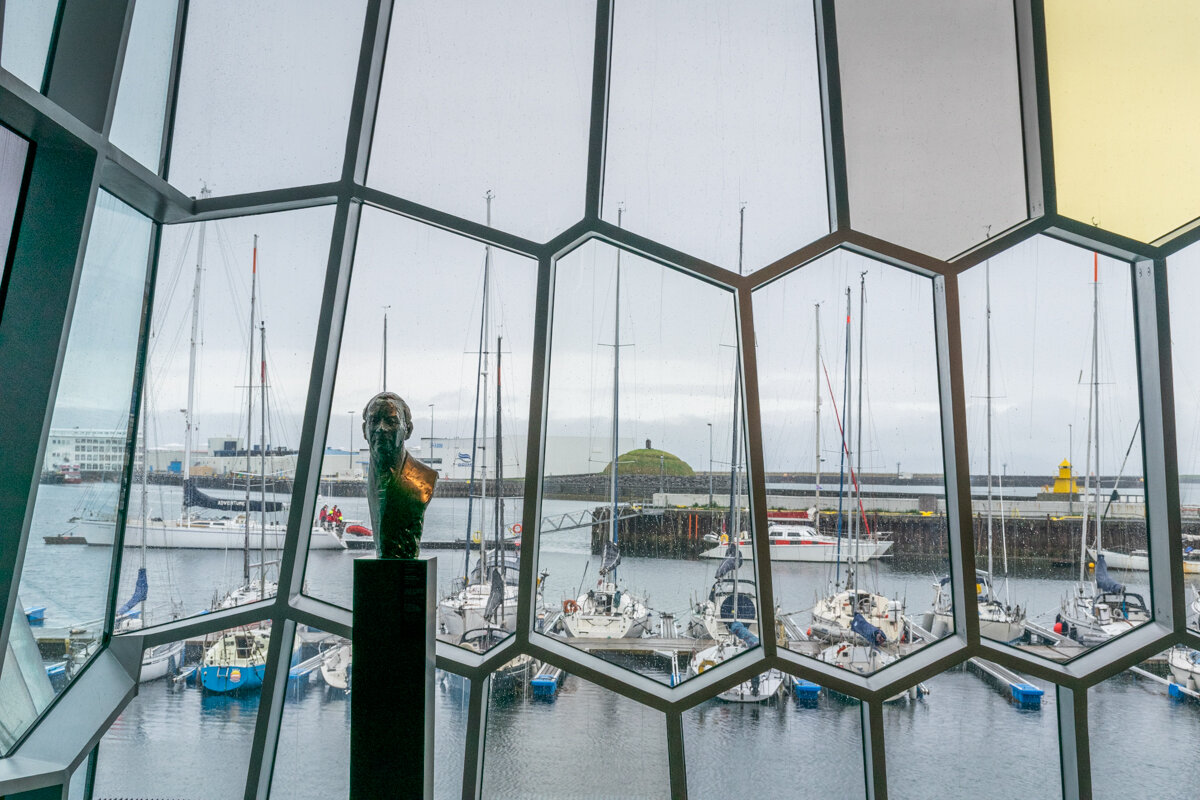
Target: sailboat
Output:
[(161, 659), (482, 607), (608, 611), (1099, 609), (834, 616), (191, 531), (997, 620)]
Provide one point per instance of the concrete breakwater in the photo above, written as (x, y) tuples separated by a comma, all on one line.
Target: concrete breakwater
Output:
[(679, 532)]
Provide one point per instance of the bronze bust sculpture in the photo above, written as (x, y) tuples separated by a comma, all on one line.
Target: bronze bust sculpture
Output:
[(398, 485)]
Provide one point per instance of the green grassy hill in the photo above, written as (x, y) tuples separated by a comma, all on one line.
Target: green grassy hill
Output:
[(647, 461)]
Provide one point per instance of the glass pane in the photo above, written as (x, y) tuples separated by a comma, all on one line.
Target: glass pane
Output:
[(1184, 287), (313, 756), (853, 451), (450, 734), (1049, 376), (78, 787), (971, 718), (696, 122), (1152, 706), (428, 284), (654, 406), (737, 749), (1111, 169), (28, 28), (482, 97), (137, 125), (27, 683), (620, 745), (14, 153), (63, 585), (264, 94), (209, 553), (923, 86), (178, 736)]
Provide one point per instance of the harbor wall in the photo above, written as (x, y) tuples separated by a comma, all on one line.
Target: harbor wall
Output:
[(679, 532)]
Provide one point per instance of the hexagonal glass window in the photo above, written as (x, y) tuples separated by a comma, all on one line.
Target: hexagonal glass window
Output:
[(922, 86), (1114, 170), (64, 589), (488, 97), (790, 737), (264, 94), (621, 745), (710, 108), (236, 302), (446, 323), (204, 734), (1154, 702), (941, 720), (650, 568), (1060, 544), (848, 386), (137, 126), (1183, 287)]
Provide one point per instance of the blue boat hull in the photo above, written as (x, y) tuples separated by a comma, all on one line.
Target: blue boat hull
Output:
[(231, 679)]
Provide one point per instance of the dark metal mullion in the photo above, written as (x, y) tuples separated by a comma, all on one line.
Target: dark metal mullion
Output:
[(956, 458), (874, 753), (475, 741), (172, 98), (1160, 461), (677, 756), (1075, 759), (598, 121), (364, 104), (1033, 96), (137, 390), (270, 710), (829, 76), (750, 429)]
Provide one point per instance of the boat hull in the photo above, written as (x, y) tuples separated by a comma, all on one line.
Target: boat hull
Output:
[(222, 680), (159, 661), (463, 612), (214, 536), (758, 689), (818, 553), (1139, 561)]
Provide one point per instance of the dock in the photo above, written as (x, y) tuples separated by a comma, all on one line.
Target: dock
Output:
[(1174, 690), (1020, 691), (546, 682)]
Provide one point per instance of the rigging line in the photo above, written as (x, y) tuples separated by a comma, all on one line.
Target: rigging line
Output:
[(845, 449)]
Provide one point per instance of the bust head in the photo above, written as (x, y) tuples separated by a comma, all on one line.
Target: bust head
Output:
[(387, 423)]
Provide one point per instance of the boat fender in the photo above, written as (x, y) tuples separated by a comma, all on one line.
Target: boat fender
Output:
[(570, 606)]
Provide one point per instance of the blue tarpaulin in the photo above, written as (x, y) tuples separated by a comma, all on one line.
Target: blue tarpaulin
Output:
[(139, 593), (1103, 581), (866, 630)]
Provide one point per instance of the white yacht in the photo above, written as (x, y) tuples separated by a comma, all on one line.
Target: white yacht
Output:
[(833, 615), (997, 621), (795, 542)]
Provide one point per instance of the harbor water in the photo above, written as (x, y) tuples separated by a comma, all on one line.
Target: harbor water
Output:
[(588, 742)]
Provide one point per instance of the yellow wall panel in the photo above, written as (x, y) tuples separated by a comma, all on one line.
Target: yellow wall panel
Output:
[(1125, 112)]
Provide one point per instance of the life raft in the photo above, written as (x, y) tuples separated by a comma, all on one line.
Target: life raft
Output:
[(570, 606), (358, 530)]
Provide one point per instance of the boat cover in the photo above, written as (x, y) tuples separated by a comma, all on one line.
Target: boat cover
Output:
[(874, 636), (495, 596), (512, 568), (1103, 581), (139, 593), (195, 498), (742, 632), (727, 566), (611, 558)]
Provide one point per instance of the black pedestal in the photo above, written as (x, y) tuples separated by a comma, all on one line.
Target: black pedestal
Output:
[(391, 702)]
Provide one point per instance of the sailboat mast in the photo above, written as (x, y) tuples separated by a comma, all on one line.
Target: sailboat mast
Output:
[(262, 532), (195, 337), (616, 399), (735, 533), (862, 299), (385, 310), (499, 468), (1087, 470), (1096, 386), (145, 489), (845, 428), (817, 427), (479, 373), (250, 409), (987, 272)]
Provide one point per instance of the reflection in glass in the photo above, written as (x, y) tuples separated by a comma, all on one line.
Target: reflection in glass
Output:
[(971, 719), (137, 125), (236, 306), (264, 94), (180, 738), (447, 323), (845, 407), (65, 587), (481, 97), (1142, 728), (645, 355), (586, 737), (697, 124), (28, 28), (814, 731), (14, 152), (1183, 287), (1051, 382)]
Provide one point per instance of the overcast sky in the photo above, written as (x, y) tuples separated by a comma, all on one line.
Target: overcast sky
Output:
[(477, 98)]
